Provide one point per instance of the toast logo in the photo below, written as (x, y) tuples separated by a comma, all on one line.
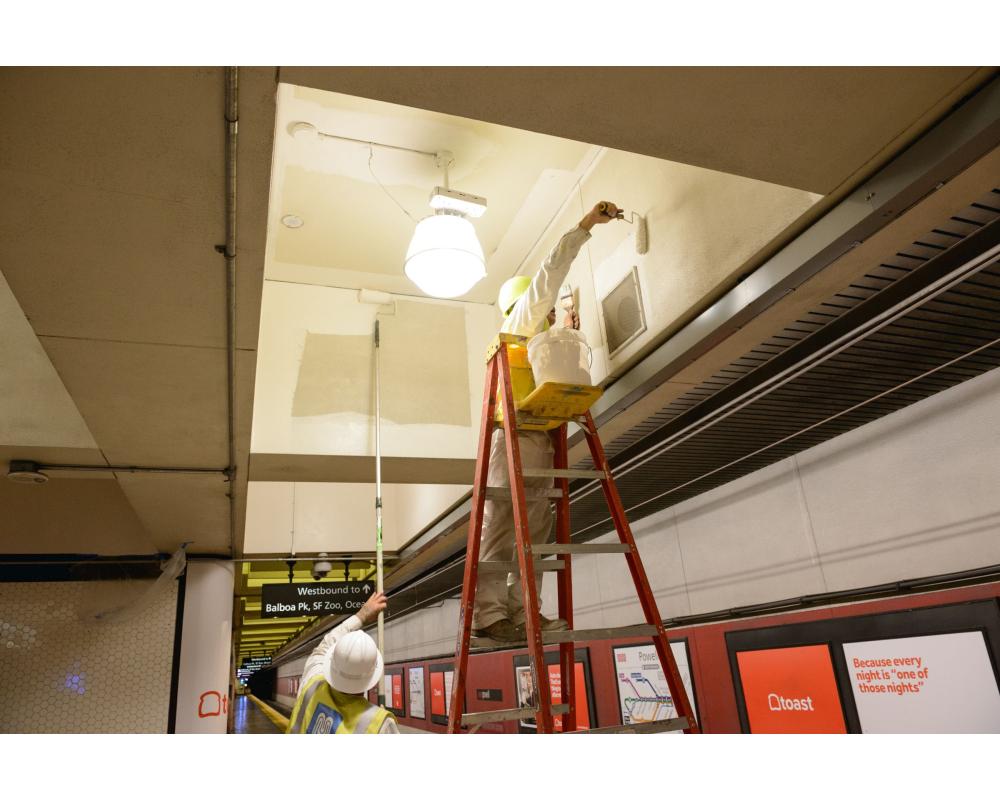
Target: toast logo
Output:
[(790, 690), (775, 702), (206, 708)]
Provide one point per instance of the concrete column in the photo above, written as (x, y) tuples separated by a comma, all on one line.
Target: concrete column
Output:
[(203, 679)]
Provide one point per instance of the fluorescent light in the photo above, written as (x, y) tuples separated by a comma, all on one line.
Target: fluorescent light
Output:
[(445, 258)]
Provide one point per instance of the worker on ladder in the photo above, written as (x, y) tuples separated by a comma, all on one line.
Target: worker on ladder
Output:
[(528, 306), (336, 677)]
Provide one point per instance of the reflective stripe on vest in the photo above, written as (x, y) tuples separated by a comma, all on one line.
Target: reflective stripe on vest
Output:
[(321, 709)]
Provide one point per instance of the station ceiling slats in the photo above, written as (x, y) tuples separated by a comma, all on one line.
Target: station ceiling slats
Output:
[(879, 373)]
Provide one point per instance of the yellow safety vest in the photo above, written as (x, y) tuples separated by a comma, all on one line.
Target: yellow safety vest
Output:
[(322, 709)]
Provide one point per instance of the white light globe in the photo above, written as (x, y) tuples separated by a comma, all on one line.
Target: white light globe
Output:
[(445, 258)]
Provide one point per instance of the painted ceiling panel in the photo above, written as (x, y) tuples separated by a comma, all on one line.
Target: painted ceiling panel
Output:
[(149, 133), (153, 405), (70, 516), (35, 409), (808, 128), (356, 231), (340, 517), (115, 266), (181, 508)]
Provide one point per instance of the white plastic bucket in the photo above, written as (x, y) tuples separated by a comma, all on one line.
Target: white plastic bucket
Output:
[(560, 355)]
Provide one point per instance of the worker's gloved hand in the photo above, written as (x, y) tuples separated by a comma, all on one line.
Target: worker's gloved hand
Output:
[(572, 320), (373, 605), (599, 214)]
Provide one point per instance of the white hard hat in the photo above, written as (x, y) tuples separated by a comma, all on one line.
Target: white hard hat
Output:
[(354, 665)]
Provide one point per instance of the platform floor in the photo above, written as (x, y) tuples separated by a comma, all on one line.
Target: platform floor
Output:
[(250, 719)]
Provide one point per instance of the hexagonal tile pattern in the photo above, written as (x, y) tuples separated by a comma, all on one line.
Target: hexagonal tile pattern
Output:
[(61, 672)]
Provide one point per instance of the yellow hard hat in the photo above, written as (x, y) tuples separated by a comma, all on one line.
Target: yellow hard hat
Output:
[(510, 292)]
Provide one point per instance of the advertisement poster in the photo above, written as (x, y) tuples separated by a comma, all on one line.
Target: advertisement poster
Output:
[(791, 690), (416, 684), (643, 693), (528, 698), (397, 691), (441, 684), (394, 691), (941, 683)]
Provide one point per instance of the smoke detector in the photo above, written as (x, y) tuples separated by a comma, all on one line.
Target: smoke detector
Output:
[(26, 472)]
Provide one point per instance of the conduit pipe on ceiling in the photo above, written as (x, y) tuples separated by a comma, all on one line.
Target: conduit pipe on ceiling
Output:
[(122, 468), (232, 118)]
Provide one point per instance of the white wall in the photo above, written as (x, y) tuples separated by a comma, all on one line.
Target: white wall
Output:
[(911, 495), (291, 311), (340, 517), (206, 641), (703, 226)]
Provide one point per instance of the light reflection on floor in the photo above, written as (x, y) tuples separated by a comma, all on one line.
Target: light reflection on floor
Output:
[(250, 719)]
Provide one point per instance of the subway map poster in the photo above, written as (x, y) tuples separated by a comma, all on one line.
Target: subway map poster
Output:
[(643, 693)]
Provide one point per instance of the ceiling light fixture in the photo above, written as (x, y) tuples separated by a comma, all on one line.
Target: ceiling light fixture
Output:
[(444, 258), (292, 221)]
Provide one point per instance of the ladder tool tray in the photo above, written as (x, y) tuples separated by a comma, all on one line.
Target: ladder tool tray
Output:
[(545, 407)]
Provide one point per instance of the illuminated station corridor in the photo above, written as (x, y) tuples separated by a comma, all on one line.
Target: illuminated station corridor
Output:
[(376, 400)]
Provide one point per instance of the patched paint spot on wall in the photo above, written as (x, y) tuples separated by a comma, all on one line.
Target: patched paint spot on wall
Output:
[(425, 364), (424, 369), (335, 375)]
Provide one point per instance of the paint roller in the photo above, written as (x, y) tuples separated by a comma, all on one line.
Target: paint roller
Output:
[(641, 230), (373, 297)]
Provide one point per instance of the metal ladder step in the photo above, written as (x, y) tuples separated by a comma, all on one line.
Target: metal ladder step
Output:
[(661, 726), (507, 715), (588, 634), (546, 472), (507, 567), (503, 493), (553, 549)]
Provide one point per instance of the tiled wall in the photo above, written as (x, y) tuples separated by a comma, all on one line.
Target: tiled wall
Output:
[(62, 674)]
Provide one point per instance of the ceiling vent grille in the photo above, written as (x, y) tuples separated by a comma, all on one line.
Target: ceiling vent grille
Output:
[(624, 316)]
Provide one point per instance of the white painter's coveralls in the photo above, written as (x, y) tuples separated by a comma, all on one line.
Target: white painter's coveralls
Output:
[(498, 597)]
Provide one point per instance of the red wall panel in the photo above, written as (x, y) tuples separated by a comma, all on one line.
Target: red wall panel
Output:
[(715, 694)]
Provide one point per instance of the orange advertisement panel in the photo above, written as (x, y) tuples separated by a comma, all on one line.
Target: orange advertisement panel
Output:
[(397, 691), (791, 690), (555, 687), (437, 694)]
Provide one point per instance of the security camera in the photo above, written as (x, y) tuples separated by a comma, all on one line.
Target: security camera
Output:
[(320, 569)]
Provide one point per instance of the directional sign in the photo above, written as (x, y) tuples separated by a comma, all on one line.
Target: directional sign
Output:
[(314, 599)]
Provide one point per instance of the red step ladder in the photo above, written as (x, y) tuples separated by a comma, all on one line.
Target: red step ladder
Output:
[(498, 374)]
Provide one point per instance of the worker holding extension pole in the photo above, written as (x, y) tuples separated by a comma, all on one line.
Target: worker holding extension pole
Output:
[(336, 677), (347, 663), (528, 306)]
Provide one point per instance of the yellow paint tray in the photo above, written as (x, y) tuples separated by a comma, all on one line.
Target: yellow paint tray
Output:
[(552, 404)]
